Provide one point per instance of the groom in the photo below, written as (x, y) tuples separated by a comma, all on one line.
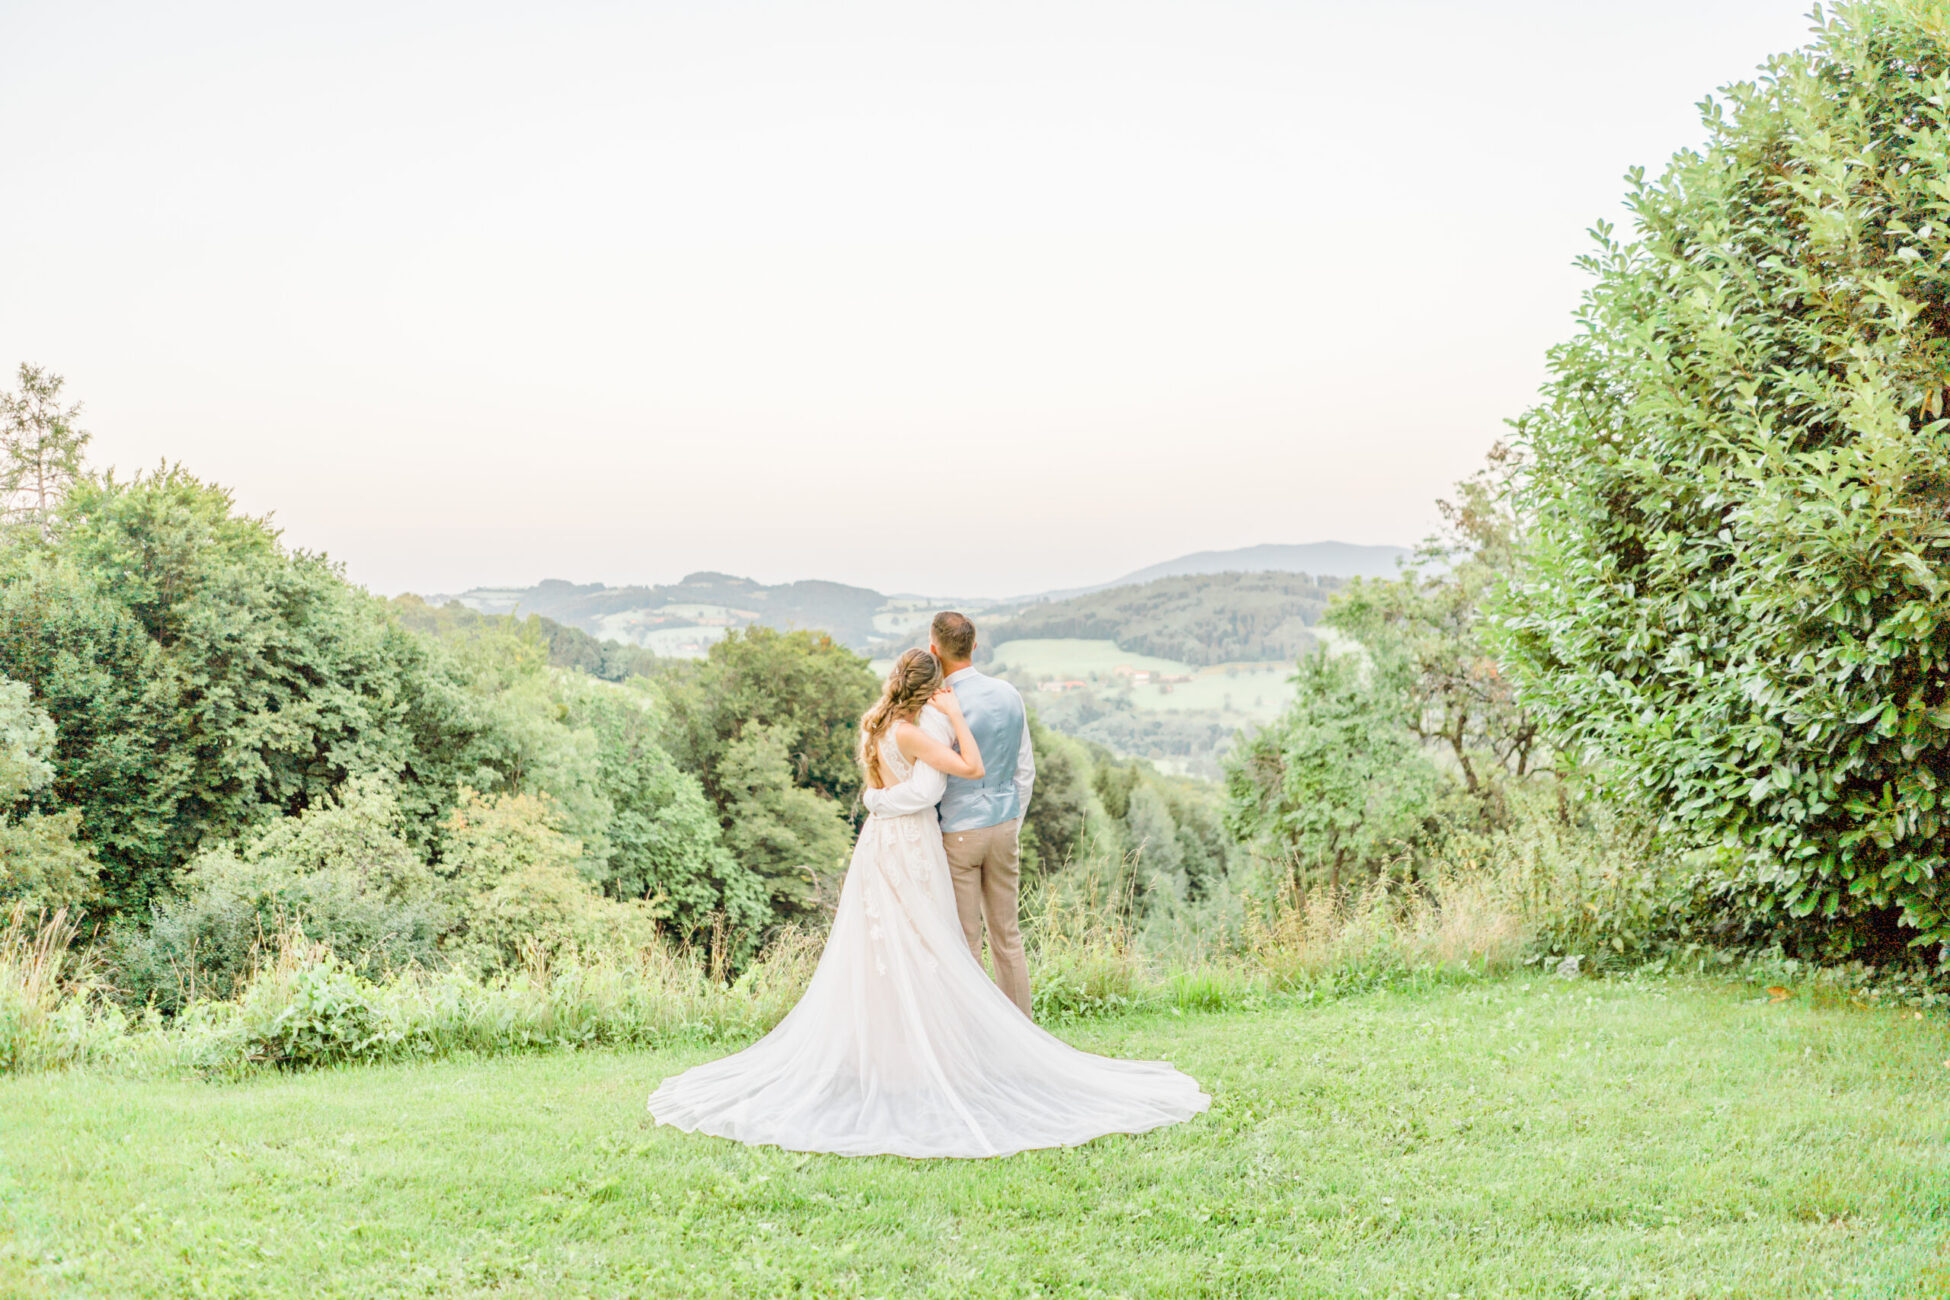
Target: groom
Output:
[(981, 821)]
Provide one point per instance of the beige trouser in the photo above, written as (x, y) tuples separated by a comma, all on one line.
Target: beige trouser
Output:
[(986, 867)]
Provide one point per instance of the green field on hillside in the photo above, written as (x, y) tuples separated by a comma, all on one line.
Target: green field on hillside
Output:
[(1235, 693), (1058, 658), (1247, 692), (1509, 1138)]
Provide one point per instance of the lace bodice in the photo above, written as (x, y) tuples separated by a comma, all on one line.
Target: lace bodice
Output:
[(892, 761), (925, 785)]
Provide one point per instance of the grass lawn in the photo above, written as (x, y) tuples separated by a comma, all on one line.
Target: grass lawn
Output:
[(1540, 1138)]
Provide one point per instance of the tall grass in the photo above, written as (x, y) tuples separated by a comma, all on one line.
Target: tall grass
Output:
[(304, 1006), (1092, 954), (1457, 922), (1080, 933), (1096, 943), (53, 1010)]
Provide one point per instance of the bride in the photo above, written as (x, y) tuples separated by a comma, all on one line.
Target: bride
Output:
[(901, 1044)]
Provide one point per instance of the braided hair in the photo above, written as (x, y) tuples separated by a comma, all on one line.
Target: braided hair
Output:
[(915, 677)]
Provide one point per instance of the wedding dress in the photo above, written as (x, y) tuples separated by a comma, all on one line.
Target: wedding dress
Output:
[(902, 1045)]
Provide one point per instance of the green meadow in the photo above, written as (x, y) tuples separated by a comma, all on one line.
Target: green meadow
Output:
[(1254, 692), (1514, 1137)]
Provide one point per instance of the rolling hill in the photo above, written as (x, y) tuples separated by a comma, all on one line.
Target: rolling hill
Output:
[(683, 619), (1196, 619), (1321, 559)]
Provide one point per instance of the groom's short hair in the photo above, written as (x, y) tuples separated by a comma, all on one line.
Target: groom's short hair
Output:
[(953, 635)]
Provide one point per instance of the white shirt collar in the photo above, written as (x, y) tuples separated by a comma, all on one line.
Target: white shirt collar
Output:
[(960, 673)]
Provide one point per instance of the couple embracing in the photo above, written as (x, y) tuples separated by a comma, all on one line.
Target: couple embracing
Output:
[(901, 1044)]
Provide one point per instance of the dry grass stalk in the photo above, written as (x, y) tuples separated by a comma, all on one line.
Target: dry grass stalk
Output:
[(36, 949)]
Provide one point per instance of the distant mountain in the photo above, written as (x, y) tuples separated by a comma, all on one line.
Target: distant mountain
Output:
[(682, 619), (1319, 559)]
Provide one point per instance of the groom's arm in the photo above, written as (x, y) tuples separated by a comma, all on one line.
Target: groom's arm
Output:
[(1025, 767)]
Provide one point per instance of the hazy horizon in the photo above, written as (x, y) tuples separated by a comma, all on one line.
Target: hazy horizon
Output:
[(924, 300), (957, 593)]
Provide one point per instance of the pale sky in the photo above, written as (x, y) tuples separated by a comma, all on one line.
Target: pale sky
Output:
[(957, 299)]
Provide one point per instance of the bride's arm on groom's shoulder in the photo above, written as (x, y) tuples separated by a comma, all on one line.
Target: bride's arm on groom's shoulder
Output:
[(919, 746)]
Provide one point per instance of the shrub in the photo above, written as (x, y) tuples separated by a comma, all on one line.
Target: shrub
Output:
[(1737, 602), (1588, 879), (307, 1009), (341, 875), (511, 876)]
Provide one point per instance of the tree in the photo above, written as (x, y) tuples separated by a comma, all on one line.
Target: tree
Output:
[(804, 685), (40, 449), (767, 722), (1424, 634), (40, 862), (789, 836), (1737, 598), (663, 837), (121, 757), (1056, 828), (204, 680), (1154, 836), (1337, 784)]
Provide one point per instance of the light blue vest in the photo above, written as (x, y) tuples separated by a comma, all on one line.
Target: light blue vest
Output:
[(995, 717)]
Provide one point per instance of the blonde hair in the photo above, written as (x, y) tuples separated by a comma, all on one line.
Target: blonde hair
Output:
[(915, 677)]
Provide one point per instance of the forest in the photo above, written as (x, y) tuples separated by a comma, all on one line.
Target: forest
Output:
[(1200, 619), (637, 614)]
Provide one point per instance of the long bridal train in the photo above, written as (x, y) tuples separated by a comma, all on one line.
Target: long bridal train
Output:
[(902, 1045)]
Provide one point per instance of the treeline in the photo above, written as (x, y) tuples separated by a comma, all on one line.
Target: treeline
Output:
[(207, 737), (1094, 811), (1201, 620), (1192, 739)]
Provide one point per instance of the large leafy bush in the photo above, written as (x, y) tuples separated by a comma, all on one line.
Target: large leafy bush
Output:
[(341, 874), (512, 876), (1738, 596)]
